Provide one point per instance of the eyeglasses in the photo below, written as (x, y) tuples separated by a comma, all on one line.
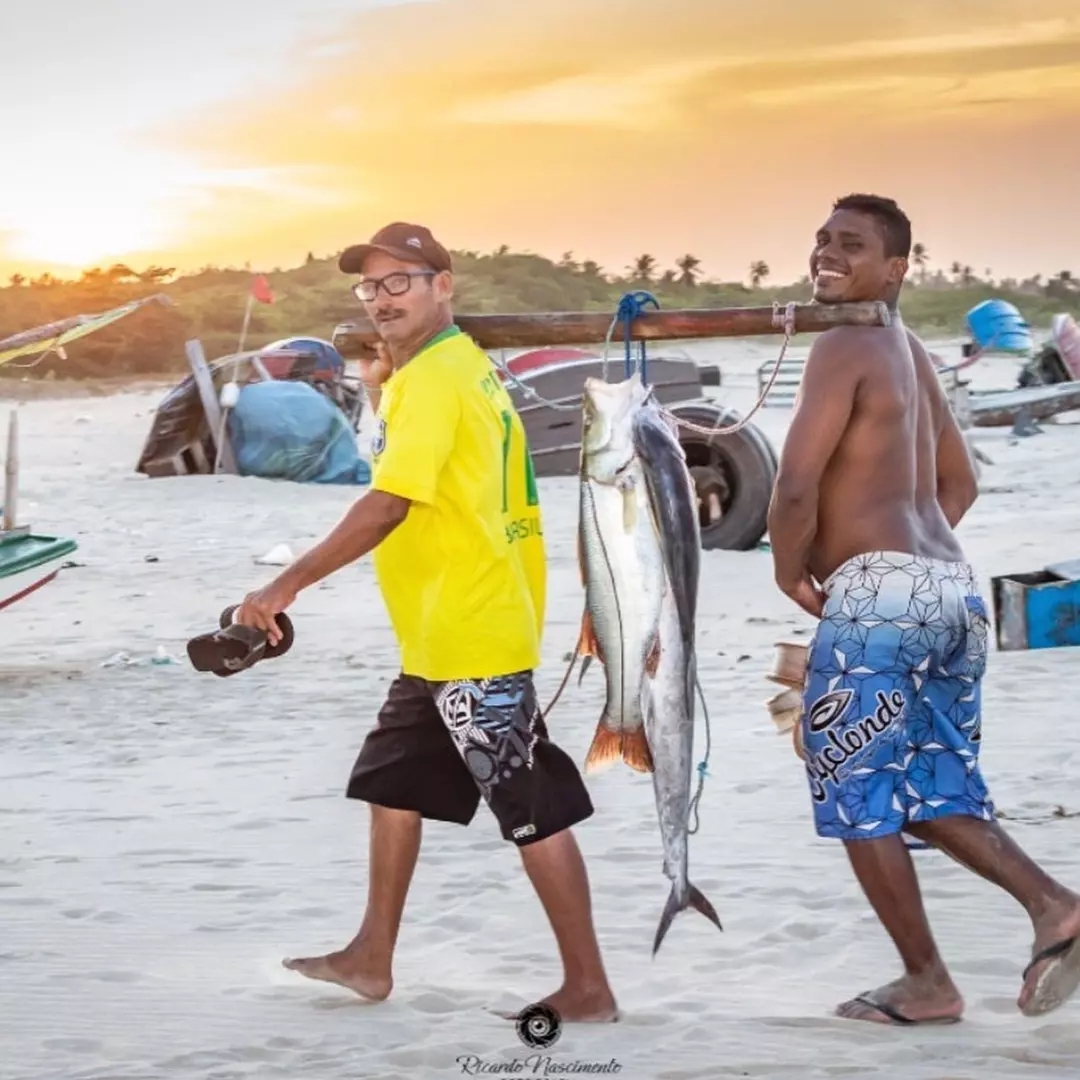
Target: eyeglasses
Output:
[(395, 284)]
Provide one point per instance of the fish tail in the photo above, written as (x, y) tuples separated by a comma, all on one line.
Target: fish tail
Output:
[(694, 899), (605, 750), (636, 752), (610, 746)]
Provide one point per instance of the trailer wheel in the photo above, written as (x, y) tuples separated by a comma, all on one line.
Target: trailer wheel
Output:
[(733, 474)]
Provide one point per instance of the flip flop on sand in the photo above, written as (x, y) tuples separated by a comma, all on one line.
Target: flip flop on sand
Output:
[(232, 648), (894, 1015), (1058, 980)]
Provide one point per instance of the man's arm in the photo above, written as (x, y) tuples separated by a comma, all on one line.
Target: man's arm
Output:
[(823, 408), (369, 521), (957, 484)]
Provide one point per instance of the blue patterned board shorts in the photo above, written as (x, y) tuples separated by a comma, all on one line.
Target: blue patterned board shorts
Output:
[(891, 719)]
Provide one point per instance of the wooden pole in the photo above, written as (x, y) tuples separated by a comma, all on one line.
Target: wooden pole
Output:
[(11, 474), (537, 329)]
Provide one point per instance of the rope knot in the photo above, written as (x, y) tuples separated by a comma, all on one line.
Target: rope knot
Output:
[(630, 307), (785, 322)]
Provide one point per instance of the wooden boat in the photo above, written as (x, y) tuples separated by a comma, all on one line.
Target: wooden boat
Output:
[(28, 561), (180, 441), (1002, 408)]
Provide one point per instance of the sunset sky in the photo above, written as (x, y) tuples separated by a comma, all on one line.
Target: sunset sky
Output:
[(255, 131)]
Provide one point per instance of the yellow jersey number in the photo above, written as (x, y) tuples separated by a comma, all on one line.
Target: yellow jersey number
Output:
[(532, 498)]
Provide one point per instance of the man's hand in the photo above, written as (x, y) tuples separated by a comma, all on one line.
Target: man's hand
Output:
[(806, 594), (376, 366), (260, 607)]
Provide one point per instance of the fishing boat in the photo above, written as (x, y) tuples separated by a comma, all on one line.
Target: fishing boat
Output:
[(1058, 361), (28, 560), (181, 440)]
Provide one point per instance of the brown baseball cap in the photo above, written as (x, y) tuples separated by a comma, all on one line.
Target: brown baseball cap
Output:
[(410, 243)]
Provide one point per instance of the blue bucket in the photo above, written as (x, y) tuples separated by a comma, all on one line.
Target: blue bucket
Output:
[(997, 326)]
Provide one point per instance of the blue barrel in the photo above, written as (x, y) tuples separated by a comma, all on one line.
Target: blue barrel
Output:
[(997, 326)]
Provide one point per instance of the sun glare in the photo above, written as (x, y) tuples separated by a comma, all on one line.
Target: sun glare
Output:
[(89, 207)]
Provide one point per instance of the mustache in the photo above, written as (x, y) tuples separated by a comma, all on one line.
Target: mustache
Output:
[(384, 313)]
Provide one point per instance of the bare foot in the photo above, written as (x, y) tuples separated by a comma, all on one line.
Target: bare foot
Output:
[(910, 1000), (346, 968), (1058, 925), (584, 1005)]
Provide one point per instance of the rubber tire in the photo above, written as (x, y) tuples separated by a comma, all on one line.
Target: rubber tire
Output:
[(747, 454)]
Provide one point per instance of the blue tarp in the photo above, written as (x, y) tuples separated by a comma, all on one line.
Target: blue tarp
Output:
[(998, 326), (284, 430)]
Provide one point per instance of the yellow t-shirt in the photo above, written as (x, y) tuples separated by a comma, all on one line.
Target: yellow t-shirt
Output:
[(464, 575)]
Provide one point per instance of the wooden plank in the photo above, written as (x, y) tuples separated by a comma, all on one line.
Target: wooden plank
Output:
[(11, 474), (204, 382), (536, 329)]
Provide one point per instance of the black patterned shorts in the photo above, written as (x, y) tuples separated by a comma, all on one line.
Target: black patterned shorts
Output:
[(438, 747)]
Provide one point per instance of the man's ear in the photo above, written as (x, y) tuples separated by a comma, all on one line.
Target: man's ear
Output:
[(444, 287), (899, 270)]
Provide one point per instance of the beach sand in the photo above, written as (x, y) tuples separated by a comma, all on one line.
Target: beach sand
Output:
[(167, 837)]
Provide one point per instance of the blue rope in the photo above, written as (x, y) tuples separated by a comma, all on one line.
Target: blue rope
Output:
[(703, 764), (630, 307)]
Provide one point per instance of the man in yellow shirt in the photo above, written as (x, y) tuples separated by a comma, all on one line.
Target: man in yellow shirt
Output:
[(454, 521)]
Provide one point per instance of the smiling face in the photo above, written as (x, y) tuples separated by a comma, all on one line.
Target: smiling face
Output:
[(850, 263)]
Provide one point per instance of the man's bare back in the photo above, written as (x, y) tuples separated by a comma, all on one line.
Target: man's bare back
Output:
[(879, 490)]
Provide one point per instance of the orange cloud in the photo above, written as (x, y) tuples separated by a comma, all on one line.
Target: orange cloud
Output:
[(615, 128)]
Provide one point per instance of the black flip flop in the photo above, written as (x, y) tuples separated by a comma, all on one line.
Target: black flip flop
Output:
[(270, 651), (232, 648), (895, 1016)]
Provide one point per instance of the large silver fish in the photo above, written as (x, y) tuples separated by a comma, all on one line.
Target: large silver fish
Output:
[(640, 550), (670, 692), (622, 570)]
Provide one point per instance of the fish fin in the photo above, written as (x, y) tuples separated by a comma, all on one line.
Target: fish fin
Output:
[(585, 662), (636, 752), (587, 646), (587, 643), (695, 899), (652, 657), (605, 750)]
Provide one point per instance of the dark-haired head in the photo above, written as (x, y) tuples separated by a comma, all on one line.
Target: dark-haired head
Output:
[(861, 252)]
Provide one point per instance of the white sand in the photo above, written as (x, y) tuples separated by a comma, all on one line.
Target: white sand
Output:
[(167, 836)]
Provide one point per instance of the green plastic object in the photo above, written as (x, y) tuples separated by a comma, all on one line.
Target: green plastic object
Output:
[(24, 551)]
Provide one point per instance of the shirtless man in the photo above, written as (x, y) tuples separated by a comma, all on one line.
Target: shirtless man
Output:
[(874, 477)]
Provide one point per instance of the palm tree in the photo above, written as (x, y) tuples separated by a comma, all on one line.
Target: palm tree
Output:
[(919, 259), (759, 271), (689, 268), (642, 268)]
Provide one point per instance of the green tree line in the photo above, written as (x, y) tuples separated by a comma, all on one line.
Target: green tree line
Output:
[(313, 298)]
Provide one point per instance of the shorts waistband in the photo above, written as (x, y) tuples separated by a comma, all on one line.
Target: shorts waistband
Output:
[(884, 561)]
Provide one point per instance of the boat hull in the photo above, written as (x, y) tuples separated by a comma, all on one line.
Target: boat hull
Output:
[(28, 563)]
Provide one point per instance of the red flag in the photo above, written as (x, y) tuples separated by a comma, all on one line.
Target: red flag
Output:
[(260, 289)]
